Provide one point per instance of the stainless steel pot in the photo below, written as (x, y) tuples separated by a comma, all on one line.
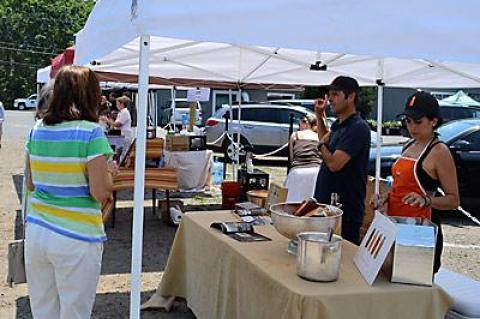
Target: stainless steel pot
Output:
[(289, 225), (317, 258)]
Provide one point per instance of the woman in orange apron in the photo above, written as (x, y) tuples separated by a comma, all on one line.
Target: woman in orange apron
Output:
[(425, 166)]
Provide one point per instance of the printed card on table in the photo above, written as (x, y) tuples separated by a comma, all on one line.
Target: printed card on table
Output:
[(375, 247)]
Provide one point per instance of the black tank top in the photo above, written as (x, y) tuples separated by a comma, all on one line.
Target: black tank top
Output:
[(428, 183)]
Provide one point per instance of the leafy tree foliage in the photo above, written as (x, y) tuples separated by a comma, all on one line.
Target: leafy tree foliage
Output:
[(366, 99), (32, 32)]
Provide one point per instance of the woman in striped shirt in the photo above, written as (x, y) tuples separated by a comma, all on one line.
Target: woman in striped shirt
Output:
[(69, 177)]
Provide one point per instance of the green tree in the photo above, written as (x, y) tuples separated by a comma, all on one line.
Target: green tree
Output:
[(32, 32), (366, 100)]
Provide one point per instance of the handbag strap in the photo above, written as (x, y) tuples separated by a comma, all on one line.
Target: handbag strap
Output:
[(26, 195)]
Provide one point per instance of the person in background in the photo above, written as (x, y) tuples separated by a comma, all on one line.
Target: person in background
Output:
[(104, 111), (305, 161), (122, 122), (2, 119), (69, 177), (425, 166), (44, 99), (344, 151), (112, 99)]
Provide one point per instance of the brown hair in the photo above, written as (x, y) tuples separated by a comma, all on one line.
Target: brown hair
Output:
[(76, 96), (310, 119), (44, 99), (125, 100)]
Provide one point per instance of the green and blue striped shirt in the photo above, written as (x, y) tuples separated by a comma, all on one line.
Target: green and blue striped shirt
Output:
[(61, 200)]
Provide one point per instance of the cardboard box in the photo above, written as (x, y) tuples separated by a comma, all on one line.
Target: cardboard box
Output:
[(276, 194), (184, 143), (178, 143)]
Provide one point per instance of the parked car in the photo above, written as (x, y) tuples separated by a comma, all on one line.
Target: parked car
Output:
[(26, 103), (182, 108), (265, 126), (306, 103), (451, 113), (463, 139)]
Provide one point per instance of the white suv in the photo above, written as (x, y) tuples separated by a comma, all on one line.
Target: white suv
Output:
[(265, 126), (28, 103)]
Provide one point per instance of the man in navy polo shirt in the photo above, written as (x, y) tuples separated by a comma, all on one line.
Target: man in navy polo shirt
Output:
[(344, 149)]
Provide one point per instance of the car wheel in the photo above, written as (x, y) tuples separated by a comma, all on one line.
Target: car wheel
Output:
[(228, 148), (21, 106)]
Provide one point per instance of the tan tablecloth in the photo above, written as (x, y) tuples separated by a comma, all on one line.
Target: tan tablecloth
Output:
[(223, 278), (194, 169)]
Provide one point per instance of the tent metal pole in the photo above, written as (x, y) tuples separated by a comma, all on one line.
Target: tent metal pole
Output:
[(230, 103), (174, 97), (138, 196), (237, 149), (379, 136), (155, 105)]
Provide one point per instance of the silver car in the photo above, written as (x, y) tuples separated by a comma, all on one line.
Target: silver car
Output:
[(265, 126)]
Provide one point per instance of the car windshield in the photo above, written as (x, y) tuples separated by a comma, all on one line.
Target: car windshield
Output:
[(451, 130)]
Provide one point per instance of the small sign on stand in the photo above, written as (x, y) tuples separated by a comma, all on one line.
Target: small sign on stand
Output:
[(199, 94), (375, 247)]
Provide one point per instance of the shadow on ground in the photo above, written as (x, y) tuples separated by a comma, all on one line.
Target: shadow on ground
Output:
[(18, 183), (117, 306), (157, 240)]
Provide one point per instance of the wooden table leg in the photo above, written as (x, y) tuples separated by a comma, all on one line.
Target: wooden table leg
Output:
[(114, 208), (154, 200)]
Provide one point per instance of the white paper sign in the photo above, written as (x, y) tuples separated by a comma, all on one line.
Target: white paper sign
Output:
[(375, 247), (201, 95)]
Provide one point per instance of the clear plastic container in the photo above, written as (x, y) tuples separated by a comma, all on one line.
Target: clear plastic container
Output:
[(217, 172)]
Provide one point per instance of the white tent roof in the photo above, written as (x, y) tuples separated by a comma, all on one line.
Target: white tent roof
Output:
[(406, 29), (183, 59), (459, 99), (43, 74)]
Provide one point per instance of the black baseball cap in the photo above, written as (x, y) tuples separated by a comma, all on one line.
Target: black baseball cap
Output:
[(344, 83), (421, 104)]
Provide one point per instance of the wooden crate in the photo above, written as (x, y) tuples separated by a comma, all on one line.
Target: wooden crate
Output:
[(178, 143)]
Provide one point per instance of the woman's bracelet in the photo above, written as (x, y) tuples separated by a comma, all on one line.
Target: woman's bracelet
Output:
[(428, 201)]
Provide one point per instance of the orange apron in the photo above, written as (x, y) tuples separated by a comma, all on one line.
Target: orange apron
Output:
[(405, 181)]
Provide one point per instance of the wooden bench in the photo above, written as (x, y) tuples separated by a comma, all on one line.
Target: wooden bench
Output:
[(155, 179), (153, 151)]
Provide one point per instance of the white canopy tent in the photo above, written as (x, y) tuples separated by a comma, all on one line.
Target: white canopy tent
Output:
[(43, 74), (459, 99), (408, 29), (178, 61)]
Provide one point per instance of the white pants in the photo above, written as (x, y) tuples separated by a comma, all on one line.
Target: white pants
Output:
[(301, 183), (62, 274), (126, 146)]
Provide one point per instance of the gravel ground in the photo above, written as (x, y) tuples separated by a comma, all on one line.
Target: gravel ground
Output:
[(461, 254)]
